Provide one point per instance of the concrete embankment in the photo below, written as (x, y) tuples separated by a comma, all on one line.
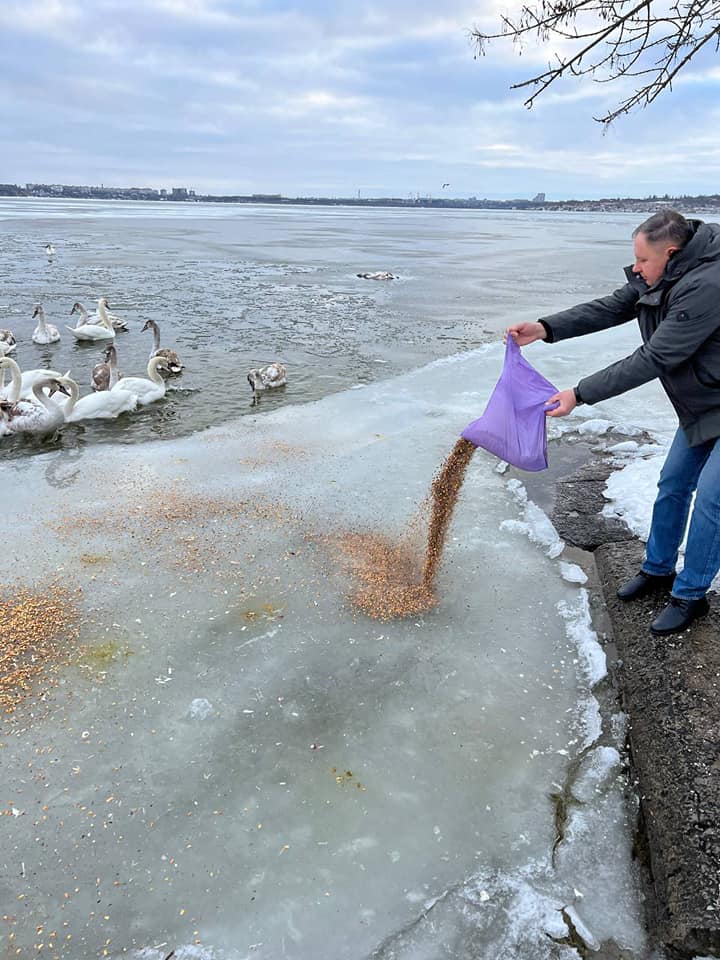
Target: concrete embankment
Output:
[(670, 690)]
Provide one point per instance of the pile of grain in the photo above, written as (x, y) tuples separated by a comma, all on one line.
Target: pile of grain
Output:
[(35, 632), (388, 576), (393, 580)]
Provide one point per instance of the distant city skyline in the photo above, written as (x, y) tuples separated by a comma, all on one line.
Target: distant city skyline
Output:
[(685, 203), (265, 96)]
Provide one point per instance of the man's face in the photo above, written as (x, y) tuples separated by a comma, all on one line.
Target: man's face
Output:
[(650, 258)]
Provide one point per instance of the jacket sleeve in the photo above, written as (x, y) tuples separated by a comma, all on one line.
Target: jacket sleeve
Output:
[(595, 315), (692, 317)]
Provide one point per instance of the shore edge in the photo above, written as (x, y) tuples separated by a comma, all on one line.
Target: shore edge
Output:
[(669, 689)]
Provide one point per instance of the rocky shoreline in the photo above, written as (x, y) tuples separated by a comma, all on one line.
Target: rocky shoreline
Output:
[(668, 688)]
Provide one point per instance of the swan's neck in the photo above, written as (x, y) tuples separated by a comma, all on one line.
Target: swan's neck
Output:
[(41, 321), (102, 312), (43, 398), (82, 311), (112, 361), (16, 380), (69, 405), (156, 335), (152, 371)]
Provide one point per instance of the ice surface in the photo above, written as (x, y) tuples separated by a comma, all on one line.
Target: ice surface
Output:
[(263, 772), (594, 427), (572, 573)]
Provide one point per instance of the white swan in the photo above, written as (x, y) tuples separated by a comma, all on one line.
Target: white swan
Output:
[(117, 323), (84, 317), (23, 383), (96, 406), (42, 416), (146, 391), (10, 396), (44, 332), (49, 250), (102, 330), (170, 357), (267, 378), (105, 375), (6, 337)]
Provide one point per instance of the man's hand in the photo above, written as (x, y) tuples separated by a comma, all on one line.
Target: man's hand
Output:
[(565, 401), (524, 333)]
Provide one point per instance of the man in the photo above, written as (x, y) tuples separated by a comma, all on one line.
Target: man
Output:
[(673, 290)]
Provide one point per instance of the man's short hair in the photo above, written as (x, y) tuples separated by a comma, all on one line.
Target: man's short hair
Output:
[(666, 226)]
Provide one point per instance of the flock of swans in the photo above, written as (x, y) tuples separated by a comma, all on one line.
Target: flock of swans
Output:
[(29, 404)]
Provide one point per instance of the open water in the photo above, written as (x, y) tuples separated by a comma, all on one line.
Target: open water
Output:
[(234, 287)]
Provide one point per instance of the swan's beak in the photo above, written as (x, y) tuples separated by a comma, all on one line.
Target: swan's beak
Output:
[(58, 387), (36, 311)]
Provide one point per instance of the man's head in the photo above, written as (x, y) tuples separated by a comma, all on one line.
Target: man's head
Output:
[(656, 240)]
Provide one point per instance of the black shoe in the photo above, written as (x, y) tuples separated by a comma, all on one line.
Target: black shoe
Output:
[(643, 584), (678, 615)]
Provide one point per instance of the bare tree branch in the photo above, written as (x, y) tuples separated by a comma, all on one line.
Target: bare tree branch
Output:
[(613, 39)]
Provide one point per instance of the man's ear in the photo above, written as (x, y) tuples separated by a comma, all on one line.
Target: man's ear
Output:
[(672, 251)]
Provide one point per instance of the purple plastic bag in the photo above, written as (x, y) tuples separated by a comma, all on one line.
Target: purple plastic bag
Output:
[(513, 424)]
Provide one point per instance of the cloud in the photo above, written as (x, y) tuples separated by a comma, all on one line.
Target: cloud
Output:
[(265, 95)]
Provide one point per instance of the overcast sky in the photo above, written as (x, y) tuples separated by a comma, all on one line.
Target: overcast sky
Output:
[(324, 97)]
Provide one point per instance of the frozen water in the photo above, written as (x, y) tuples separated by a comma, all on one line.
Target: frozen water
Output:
[(351, 772), (572, 573), (594, 427), (200, 709), (595, 771)]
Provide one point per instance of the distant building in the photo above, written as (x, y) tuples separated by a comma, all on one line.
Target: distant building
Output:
[(179, 193), (539, 198)]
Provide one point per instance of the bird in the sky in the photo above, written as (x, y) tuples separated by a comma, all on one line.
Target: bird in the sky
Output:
[(445, 185)]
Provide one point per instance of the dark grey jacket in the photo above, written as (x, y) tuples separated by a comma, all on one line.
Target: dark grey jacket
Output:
[(679, 319)]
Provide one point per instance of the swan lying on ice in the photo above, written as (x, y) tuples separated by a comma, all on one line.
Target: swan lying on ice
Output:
[(146, 391), (170, 357), (41, 417), (44, 332), (378, 275)]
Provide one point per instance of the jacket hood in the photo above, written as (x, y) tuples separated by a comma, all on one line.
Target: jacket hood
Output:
[(703, 246)]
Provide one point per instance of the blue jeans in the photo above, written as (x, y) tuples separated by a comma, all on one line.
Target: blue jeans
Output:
[(687, 469)]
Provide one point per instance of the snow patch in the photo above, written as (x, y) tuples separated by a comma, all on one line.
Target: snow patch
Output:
[(572, 573), (578, 627)]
